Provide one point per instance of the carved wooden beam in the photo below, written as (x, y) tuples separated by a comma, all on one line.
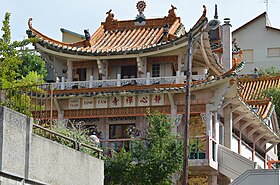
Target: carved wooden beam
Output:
[(240, 117), (253, 131), (141, 65), (266, 141), (247, 124), (101, 67), (259, 137)]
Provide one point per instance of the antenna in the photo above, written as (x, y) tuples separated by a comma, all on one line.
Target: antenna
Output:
[(266, 4)]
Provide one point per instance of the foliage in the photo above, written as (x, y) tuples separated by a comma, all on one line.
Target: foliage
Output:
[(275, 94), (31, 79), (150, 161), (73, 130), (31, 61), (272, 71), (10, 59), (19, 71)]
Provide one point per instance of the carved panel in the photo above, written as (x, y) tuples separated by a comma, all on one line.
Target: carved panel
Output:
[(114, 112), (197, 180), (172, 59), (84, 64), (197, 108)]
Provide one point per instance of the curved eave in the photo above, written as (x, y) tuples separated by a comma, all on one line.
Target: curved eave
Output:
[(261, 121), (87, 54)]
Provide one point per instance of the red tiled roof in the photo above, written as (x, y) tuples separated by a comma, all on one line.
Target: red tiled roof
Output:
[(253, 88), (115, 36), (263, 107), (252, 91)]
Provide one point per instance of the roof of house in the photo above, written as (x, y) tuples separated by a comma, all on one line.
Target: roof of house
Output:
[(263, 15), (63, 30)]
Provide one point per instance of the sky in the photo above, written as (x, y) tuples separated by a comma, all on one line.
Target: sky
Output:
[(51, 15)]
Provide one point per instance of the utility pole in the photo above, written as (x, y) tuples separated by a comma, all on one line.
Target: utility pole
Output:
[(187, 110)]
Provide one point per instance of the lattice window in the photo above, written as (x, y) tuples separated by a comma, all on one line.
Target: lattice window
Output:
[(129, 118)]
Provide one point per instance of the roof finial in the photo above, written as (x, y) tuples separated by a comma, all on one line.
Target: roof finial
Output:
[(141, 5), (216, 12), (204, 11), (30, 23), (140, 18)]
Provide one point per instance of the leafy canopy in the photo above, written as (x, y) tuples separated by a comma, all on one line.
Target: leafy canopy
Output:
[(10, 59), (275, 94), (150, 161)]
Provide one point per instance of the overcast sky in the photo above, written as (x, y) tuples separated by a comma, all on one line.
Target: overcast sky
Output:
[(51, 15)]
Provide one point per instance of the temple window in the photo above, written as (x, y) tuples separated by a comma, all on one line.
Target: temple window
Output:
[(156, 70)]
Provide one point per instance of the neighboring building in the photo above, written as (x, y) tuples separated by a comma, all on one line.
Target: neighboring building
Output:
[(128, 67), (260, 43), (70, 37)]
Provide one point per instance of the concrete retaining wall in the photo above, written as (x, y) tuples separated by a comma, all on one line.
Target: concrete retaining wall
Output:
[(26, 158)]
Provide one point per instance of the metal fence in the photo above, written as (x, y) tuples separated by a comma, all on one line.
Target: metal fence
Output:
[(33, 101), (36, 101)]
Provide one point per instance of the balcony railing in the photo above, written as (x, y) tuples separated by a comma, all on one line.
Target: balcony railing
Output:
[(123, 82)]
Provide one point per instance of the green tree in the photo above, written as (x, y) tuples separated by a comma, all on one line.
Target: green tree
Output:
[(272, 71), (10, 59), (150, 161), (31, 61), (274, 93)]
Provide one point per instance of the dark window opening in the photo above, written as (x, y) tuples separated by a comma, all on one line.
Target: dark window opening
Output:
[(128, 72), (82, 72), (156, 70), (119, 131)]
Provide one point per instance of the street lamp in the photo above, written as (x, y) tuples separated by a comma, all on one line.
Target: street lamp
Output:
[(192, 34)]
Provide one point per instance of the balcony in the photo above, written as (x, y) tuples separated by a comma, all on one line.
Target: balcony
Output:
[(202, 152), (123, 82)]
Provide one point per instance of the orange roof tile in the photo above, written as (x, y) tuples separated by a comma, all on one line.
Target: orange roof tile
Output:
[(253, 88), (115, 36), (252, 91), (262, 107)]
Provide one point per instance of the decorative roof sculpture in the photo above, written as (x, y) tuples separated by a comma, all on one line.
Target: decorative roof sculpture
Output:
[(140, 18), (116, 37)]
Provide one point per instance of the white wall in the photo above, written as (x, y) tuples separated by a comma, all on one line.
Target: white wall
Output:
[(257, 37)]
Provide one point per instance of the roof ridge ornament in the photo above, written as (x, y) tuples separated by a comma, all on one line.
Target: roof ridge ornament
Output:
[(110, 22), (140, 18), (141, 5)]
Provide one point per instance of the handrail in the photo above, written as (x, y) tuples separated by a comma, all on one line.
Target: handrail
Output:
[(115, 82), (119, 140), (76, 145)]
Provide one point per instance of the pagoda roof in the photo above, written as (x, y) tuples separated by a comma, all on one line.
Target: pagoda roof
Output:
[(115, 36)]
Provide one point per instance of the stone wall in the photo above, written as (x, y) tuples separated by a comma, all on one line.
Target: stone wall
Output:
[(26, 157)]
